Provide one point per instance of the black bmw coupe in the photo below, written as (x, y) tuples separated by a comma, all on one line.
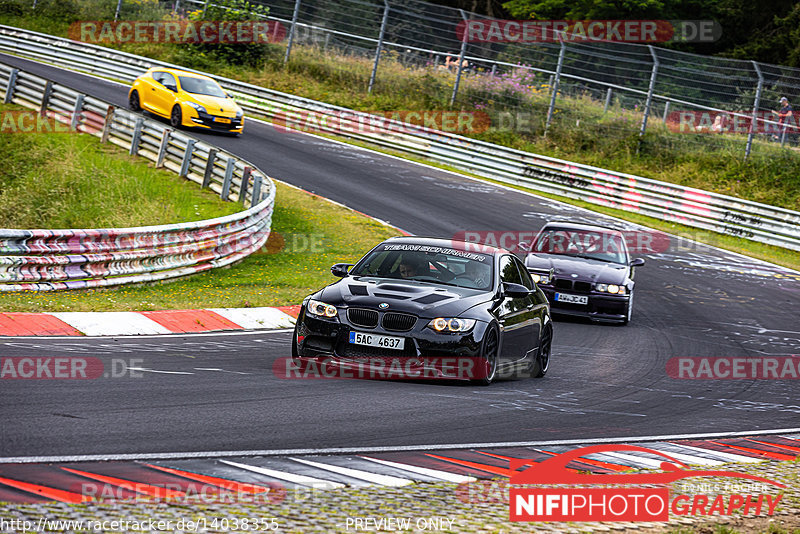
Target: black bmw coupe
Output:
[(584, 270), (428, 308)]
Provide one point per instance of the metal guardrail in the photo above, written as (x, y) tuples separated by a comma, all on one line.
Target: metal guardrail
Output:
[(46, 260), (636, 194)]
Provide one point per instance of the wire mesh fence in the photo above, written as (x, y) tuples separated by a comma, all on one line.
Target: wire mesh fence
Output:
[(622, 90)]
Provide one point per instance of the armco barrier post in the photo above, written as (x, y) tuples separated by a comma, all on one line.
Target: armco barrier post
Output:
[(666, 111), (608, 101), (162, 148), (119, 7), (554, 86), (379, 48), (48, 91), (460, 60), (245, 184), (187, 158), (11, 86), (226, 183), (212, 157), (76, 112), (756, 104), (255, 198), (107, 124), (292, 29), (650, 90), (205, 8), (137, 135)]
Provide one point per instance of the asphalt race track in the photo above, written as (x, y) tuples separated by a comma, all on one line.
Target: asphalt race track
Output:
[(219, 392)]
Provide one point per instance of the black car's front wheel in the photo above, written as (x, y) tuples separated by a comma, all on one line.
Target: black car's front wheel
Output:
[(487, 364), (541, 363)]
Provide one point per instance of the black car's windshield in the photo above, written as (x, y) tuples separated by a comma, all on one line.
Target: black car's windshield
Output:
[(440, 265), (591, 244), (201, 86)]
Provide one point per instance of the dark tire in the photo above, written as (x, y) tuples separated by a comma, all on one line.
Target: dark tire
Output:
[(489, 353), (133, 101), (176, 117), (540, 366), (629, 310)]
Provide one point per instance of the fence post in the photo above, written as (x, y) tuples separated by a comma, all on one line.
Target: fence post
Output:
[(107, 124), (379, 48), (494, 69), (48, 91), (12, 85), (460, 59), (255, 197), (76, 112), (177, 5), (245, 183), (162, 148), (119, 7), (187, 158), (650, 90), (205, 7), (137, 134), (666, 111), (608, 101), (291, 31), (756, 104), (554, 86), (212, 156), (226, 183)]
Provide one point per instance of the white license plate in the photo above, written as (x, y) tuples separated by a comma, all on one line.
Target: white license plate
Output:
[(572, 299), (375, 340)]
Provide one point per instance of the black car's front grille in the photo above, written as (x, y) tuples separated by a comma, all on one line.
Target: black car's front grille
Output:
[(398, 322), (561, 283), (584, 287), (363, 352), (362, 317)]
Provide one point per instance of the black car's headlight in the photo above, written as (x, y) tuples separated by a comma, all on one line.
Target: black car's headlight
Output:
[(321, 309), (540, 278), (198, 107), (610, 288), (451, 324)]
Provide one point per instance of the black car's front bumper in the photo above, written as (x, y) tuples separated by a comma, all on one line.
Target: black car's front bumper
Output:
[(600, 307), (426, 353)]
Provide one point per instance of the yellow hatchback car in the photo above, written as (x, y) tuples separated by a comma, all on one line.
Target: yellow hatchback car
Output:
[(186, 99)]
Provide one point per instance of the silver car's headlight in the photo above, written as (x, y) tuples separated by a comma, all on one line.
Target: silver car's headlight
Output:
[(321, 309)]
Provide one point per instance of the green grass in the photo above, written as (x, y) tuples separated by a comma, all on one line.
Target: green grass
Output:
[(73, 181)]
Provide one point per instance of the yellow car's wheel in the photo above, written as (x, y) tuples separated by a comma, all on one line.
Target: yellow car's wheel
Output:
[(133, 101), (176, 117)]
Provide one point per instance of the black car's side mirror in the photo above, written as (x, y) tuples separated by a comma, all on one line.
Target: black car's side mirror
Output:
[(340, 269), (638, 262), (515, 291)]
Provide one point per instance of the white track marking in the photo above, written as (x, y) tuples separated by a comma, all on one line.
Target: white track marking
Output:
[(383, 480), (111, 323), (433, 473), (303, 480), (727, 456), (256, 318), (157, 336), (685, 458), (145, 370), (396, 448)]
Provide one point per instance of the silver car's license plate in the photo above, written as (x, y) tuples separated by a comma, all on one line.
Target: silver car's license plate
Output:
[(572, 299), (376, 340)]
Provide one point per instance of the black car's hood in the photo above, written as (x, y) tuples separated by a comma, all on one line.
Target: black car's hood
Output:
[(586, 269), (420, 298)]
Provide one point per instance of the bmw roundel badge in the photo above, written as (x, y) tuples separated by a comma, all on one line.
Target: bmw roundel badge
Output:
[(383, 305)]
